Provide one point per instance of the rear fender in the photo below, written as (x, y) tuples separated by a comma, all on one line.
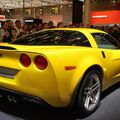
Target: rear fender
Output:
[(80, 72)]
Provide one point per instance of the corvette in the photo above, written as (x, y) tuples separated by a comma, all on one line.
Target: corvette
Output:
[(61, 67)]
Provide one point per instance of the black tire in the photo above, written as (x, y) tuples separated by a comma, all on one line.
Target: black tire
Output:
[(89, 93)]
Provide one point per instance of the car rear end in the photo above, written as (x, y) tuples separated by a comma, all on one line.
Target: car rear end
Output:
[(28, 74)]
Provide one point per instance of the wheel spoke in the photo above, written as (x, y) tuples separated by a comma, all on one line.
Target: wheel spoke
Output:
[(95, 86), (93, 100), (86, 93), (87, 102)]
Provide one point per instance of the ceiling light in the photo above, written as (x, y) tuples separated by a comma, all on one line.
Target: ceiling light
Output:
[(113, 1)]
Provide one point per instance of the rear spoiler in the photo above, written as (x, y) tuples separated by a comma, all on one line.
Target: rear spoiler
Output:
[(7, 48)]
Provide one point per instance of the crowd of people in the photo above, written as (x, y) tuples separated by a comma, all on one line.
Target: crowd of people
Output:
[(112, 30), (11, 31)]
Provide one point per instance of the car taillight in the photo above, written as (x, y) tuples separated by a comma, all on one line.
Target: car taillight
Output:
[(41, 62), (25, 60)]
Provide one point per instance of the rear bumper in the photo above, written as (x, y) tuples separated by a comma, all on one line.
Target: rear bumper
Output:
[(18, 96)]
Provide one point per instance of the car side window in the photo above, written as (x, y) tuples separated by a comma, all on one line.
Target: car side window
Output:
[(105, 41), (77, 39)]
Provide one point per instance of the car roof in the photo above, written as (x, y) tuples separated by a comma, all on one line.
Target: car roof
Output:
[(90, 30)]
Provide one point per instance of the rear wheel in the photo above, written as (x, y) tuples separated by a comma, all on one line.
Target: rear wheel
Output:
[(89, 93)]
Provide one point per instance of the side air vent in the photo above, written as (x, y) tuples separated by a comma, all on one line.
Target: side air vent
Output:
[(7, 48)]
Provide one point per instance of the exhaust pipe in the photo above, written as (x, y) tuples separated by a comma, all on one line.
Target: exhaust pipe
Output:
[(15, 100), (9, 98), (12, 99)]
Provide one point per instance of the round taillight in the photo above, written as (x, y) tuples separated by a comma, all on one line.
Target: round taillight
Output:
[(25, 60), (40, 62)]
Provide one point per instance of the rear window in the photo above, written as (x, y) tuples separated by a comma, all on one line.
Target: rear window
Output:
[(54, 37)]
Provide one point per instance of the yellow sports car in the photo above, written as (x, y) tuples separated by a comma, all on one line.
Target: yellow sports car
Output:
[(61, 67)]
